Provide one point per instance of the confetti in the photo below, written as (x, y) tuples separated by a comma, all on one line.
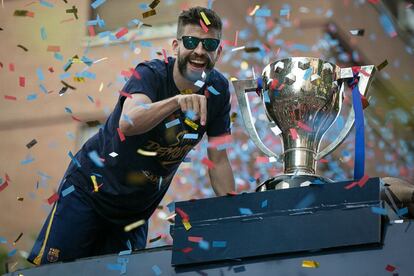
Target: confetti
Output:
[(68, 190), (382, 65), (95, 184), (208, 163), (113, 154), (155, 239), (264, 203), (149, 13), (254, 10), (53, 48), (187, 250), (164, 53), (93, 155), (310, 264), (121, 33), (120, 134), (239, 269), (22, 47), (390, 268), (97, 3), (203, 26), (357, 32), (53, 198), (146, 153), (194, 239), (23, 13), (4, 186), (205, 19), (379, 210), (219, 244), (198, 83), (154, 4), (31, 143), (186, 224), (190, 136), (191, 123), (73, 10), (22, 81), (172, 123), (134, 225), (156, 270), (205, 245), (17, 239), (293, 133), (213, 90), (245, 211)]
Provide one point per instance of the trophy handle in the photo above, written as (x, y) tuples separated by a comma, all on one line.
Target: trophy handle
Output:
[(365, 79), (241, 88)]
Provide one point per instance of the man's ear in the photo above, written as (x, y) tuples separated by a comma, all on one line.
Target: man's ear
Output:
[(219, 50), (175, 47)]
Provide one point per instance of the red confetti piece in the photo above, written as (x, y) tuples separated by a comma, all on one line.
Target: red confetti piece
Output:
[(121, 135), (76, 119), (182, 214), (121, 33), (274, 84), (53, 48), (390, 268), (135, 73), (125, 94), (293, 133), (203, 26), (11, 67), (126, 73), (304, 126), (373, 1), (7, 97), (232, 193), (262, 159), (91, 30), (164, 53), (195, 239), (3, 186), (208, 163), (236, 38), (53, 198), (51, 69), (363, 180), (187, 250), (350, 186), (219, 140), (323, 160), (22, 81)]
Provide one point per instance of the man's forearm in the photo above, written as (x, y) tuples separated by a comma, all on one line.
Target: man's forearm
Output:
[(222, 179), (146, 118)]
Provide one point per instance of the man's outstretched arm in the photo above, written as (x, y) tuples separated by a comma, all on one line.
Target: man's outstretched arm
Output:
[(221, 175)]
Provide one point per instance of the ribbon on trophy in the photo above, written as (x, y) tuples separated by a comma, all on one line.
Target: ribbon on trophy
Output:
[(359, 162)]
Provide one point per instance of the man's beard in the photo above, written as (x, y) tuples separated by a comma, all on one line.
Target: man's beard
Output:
[(191, 75)]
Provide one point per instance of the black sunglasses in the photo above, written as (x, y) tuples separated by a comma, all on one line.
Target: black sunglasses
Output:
[(191, 42)]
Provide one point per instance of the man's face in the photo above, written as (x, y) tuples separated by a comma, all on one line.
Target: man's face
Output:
[(193, 62)]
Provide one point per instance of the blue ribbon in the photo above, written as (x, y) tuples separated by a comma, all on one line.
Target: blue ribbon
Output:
[(359, 163)]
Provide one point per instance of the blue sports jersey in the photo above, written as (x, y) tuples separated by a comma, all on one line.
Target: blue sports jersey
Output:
[(133, 184)]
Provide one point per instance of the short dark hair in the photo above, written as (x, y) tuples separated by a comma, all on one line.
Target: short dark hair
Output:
[(193, 16)]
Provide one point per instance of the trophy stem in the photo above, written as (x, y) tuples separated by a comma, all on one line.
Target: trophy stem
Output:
[(299, 161)]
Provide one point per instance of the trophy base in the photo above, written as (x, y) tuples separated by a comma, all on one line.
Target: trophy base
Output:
[(286, 181)]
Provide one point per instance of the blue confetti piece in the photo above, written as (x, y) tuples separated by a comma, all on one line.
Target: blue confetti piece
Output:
[(129, 245), (43, 33), (318, 182), (171, 206), (92, 23), (266, 96), (190, 114), (133, 22), (205, 245), (145, 43), (46, 4), (187, 159), (64, 75), (172, 123), (68, 190), (190, 136), (306, 201), (156, 270), (31, 97), (143, 6), (104, 34), (284, 12), (264, 203), (101, 22), (402, 212), (125, 117), (220, 244), (210, 4), (114, 267), (263, 13), (27, 161), (125, 252), (58, 56), (213, 90), (307, 74), (97, 174), (239, 269), (91, 99), (89, 75), (122, 260), (74, 159), (93, 155), (3, 240), (245, 211), (97, 3), (68, 110), (43, 88), (379, 210), (44, 175), (387, 25), (300, 47), (12, 253)]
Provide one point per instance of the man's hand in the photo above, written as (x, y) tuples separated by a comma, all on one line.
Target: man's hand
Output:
[(196, 103)]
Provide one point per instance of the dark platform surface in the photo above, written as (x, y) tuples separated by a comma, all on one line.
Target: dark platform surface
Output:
[(397, 250)]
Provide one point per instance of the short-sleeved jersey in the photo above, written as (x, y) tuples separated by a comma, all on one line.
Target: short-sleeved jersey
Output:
[(135, 181)]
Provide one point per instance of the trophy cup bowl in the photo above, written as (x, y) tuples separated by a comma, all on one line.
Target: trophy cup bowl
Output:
[(302, 97)]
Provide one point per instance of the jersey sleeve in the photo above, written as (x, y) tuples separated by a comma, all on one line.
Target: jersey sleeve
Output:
[(144, 80), (220, 125)]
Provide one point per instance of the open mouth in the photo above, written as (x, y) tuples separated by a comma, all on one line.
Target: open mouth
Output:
[(197, 64)]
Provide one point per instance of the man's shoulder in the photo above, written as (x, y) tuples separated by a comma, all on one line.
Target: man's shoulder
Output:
[(156, 65), (219, 80)]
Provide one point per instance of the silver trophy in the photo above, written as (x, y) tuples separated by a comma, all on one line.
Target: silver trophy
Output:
[(302, 97)]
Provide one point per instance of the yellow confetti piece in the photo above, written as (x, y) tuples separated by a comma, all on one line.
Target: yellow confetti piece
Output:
[(146, 153), (149, 13), (78, 79), (101, 87), (134, 225), (310, 264), (205, 19), (95, 184), (187, 225), (76, 60), (191, 123), (254, 10), (233, 79), (186, 91)]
